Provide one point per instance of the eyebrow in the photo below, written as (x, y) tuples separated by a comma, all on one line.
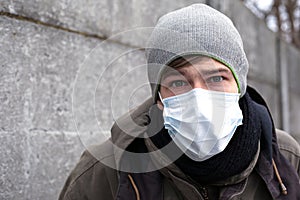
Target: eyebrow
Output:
[(183, 72), (215, 71), (172, 73)]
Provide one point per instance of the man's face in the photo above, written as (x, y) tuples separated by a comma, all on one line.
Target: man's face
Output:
[(205, 73)]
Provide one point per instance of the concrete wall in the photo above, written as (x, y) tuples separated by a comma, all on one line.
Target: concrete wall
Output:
[(60, 57)]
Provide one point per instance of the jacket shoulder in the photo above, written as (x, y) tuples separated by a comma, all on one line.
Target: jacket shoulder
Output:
[(289, 148), (92, 178)]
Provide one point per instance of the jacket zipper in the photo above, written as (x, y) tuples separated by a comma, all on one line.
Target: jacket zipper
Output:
[(204, 192)]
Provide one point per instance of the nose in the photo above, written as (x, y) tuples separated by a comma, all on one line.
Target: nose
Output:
[(199, 83)]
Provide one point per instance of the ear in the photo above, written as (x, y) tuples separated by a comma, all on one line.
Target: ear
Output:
[(159, 105)]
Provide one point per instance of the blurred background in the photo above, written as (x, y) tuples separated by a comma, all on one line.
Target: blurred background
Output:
[(66, 66)]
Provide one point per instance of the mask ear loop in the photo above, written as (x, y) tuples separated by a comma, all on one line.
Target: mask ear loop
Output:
[(161, 99)]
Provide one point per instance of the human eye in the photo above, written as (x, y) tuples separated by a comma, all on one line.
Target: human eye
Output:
[(215, 79), (178, 83)]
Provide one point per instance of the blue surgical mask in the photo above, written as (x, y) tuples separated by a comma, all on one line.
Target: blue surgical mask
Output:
[(202, 122)]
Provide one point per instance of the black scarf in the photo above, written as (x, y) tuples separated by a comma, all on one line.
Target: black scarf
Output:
[(234, 159)]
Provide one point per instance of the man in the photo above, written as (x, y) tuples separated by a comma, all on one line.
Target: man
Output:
[(204, 134)]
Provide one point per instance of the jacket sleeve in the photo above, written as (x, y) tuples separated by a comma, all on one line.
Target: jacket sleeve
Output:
[(90, 180), (290, 148)]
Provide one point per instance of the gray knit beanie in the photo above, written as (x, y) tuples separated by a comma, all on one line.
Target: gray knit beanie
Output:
[(195, 30)]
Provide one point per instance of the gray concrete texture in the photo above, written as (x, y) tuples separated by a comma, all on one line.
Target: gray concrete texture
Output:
[(39, 70), (102, 18), (63, 83), (289, 58)]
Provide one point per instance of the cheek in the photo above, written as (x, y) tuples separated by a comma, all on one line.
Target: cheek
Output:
[(232, 87)]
